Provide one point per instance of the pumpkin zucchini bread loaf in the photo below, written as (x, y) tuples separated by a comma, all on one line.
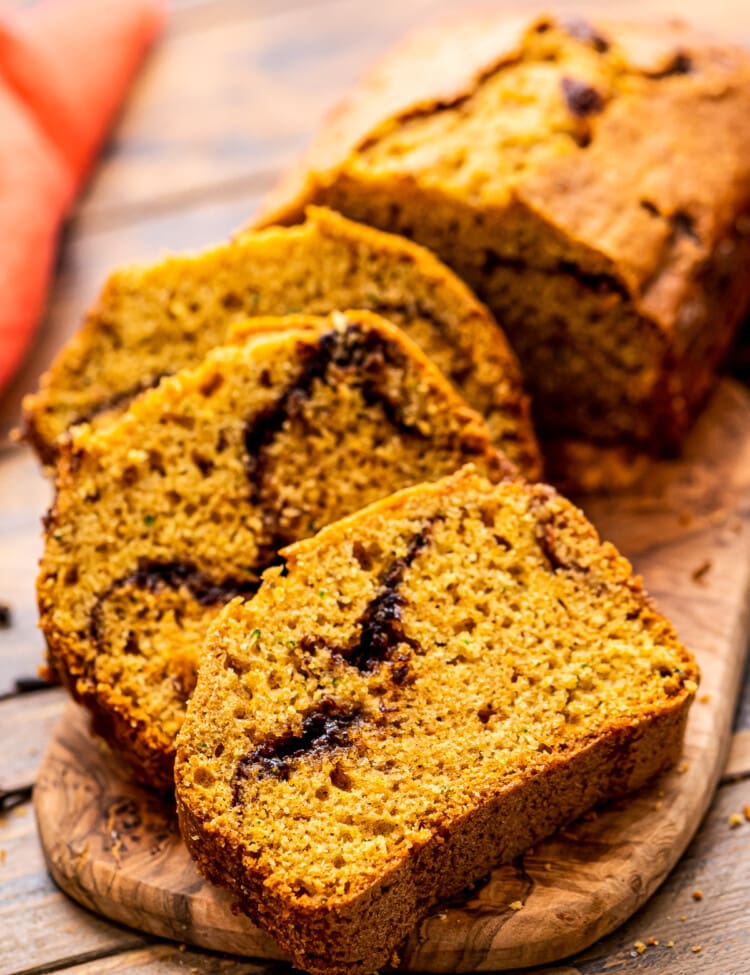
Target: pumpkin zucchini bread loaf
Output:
[(591, 183), (422, 690), (163, 516), (152, 321)]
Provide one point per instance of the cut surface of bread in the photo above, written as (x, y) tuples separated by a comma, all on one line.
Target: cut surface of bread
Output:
[(569, 172), (164, 515), (151, 321), (424, 689)]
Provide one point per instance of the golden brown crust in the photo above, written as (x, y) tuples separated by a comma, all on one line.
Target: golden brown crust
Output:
[(495, 832), (656, 143), (646, 213), (341, 782)]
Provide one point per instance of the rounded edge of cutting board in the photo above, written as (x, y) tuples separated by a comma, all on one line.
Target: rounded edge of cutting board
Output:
[(116, 849)]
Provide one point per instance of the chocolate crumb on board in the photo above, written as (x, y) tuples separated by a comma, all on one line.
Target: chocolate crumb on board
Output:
[(699, 574), (26, 685), (581, 98), (5, 617)]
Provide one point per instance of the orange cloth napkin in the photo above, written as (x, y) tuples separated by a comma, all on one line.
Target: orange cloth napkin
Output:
[(65, 66)]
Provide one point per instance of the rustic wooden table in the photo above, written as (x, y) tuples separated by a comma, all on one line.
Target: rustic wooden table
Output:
[(231, 94)]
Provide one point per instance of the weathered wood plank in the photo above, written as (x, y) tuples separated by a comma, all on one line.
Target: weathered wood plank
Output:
[(48, 932), (738, 762), (40, 926), (234, 100), (26, 724), (171, 959), (25, 495), (716, 865)]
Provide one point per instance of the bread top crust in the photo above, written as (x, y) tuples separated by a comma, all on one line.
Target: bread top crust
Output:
[(660, 184), (407, 664), (188, 303)]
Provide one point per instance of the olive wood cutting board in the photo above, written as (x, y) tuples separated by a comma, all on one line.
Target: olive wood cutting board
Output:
[(116, 849)]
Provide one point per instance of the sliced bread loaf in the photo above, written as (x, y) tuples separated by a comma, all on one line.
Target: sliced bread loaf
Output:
[(151, 321), (168, 512), (569, 171), (422, 690)]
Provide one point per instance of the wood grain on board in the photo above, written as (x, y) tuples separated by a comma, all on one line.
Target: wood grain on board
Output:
[(45, 930), (117, 850)]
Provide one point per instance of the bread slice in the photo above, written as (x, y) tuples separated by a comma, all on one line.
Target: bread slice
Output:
[(151, 321), (568, 171), (167, 513), (420, 691)]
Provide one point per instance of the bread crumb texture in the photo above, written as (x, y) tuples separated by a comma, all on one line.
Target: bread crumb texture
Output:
[(166, 514), (151, 321), (425, 688)]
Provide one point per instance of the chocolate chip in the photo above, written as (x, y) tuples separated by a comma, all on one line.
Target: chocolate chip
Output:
[(581, 98), (684, 226), (582, 30), (485, 712), (681, 64), (5, 618), (381, 629)]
